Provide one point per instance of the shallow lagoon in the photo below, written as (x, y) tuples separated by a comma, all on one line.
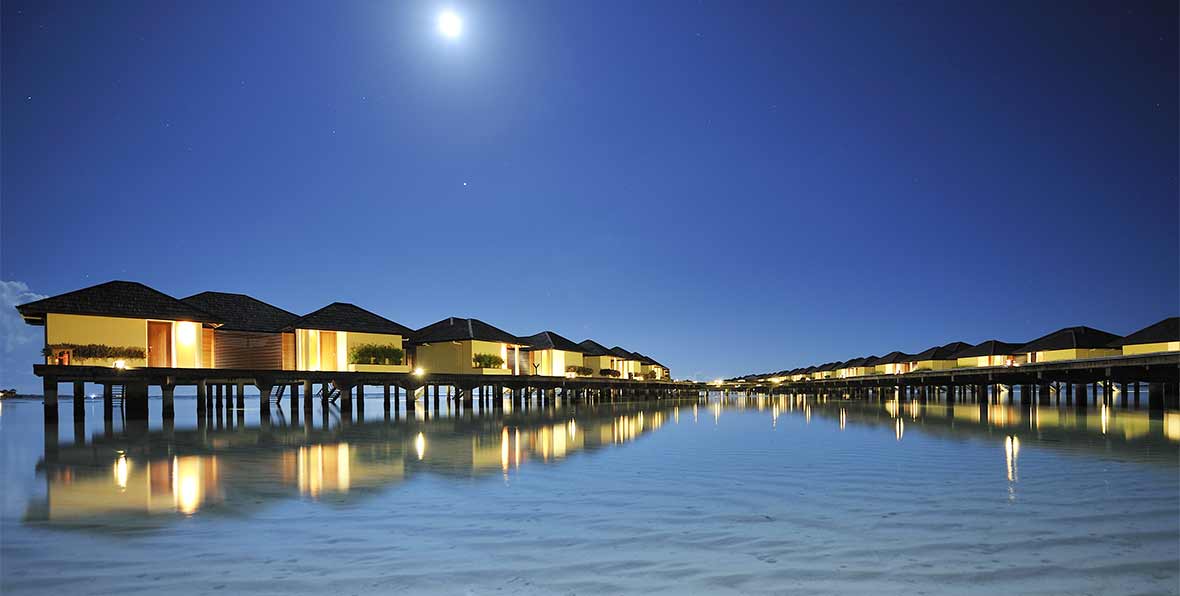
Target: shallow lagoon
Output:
[(749, 495)]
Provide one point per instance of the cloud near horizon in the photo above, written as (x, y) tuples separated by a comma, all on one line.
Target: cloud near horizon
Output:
[(20, 346)]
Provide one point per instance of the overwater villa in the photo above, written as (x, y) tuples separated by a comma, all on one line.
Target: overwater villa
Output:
[(125, 324), (469, 346), (250, 334), (597, 357), (553, 355), (121, 324), (857, 367), (1163, 336), (893, 363), (936, 358), (650, 369), (826, 370), (346, 337), (1070, 343), (990, 353), (627, 363)]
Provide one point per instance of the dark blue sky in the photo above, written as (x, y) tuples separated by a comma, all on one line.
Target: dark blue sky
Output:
[(728, 187)]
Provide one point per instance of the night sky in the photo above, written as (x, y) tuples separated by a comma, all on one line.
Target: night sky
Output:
[(727, 187)]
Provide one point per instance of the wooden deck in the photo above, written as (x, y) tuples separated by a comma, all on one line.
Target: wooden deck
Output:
[(214, 384)]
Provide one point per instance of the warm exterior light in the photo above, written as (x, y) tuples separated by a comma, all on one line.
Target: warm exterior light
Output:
[(419, 372), (122, 469), (186, 333), (120, 364)]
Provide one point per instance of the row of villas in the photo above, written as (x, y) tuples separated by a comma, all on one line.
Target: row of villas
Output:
[(1070, 343), (125, 324)]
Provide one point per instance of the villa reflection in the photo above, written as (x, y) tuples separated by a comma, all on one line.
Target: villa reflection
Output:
[(121, 476), (174, 473), (130, 487)]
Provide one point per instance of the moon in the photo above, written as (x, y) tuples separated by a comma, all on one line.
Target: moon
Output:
[(449, 24)]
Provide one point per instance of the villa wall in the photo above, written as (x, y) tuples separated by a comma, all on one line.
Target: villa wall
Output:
[(1074, 354), (1172, 346), (186, 339)]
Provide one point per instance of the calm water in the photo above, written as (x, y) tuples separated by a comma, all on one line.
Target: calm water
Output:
[(747, 496)]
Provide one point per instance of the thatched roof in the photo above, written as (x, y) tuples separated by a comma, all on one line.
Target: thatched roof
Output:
[(548, 340), (990, 347), (593, 348), (460, 329), (1167, 330), (1070, 338), (342, 316), (239, 312), (123, 299)]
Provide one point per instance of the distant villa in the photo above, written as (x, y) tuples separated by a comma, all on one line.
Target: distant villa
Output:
[(125, 324), (1070, 343)]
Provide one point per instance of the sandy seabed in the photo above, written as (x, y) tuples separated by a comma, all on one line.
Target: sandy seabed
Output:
[(733, 502)]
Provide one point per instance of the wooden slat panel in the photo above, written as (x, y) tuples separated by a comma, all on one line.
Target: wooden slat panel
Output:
[(248, 349), (288, 351), (207, 348)]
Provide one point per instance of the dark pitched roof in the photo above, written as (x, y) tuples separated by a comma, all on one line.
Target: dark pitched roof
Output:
[(829, 366), (624, 354), (1070, 338), (990, 347), (1164, 331), (342, 316), (460, 329), (239, 312), (125, 299), (643, 359), (893, 358), (548, 340), (865, 361), (946, 352), (593, 348)]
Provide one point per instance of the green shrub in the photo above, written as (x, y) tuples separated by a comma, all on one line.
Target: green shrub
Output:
[(91, 351), (581, 371), (650, 375), (609, 372), (375, 354), (487, 361)]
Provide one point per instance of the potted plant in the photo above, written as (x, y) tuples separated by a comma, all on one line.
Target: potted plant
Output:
[(487, 361)]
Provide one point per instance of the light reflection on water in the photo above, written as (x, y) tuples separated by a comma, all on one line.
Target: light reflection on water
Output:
[(371, 454), (113, 477)]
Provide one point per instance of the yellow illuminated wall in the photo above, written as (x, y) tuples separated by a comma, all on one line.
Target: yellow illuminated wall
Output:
[(993, 360), (456, 357), (187, 337), (597, 363), (1172, 346), (627, 368), (553, 362), (932, 365), (661, 372), (1071, 354), (307, 349)]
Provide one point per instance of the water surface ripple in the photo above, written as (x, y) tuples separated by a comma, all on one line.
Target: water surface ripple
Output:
[(746, 495)]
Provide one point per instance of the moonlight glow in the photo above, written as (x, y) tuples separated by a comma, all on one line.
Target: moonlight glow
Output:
[(450, 25)]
